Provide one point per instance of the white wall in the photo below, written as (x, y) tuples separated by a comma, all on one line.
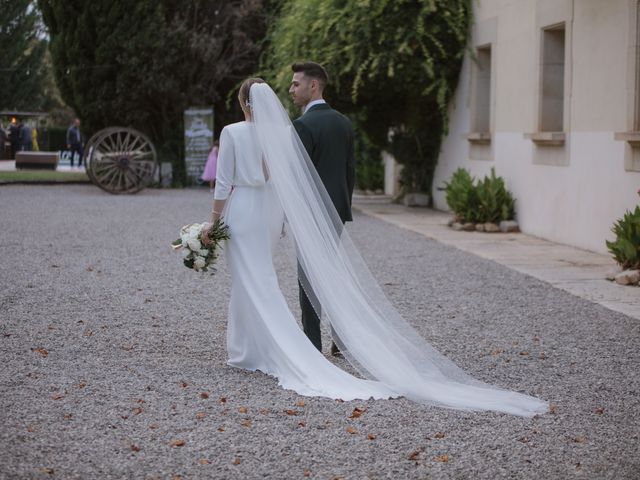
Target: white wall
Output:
[(573, 193)]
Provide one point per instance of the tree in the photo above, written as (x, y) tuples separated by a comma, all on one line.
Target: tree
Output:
[(393, 63), (143, 62), (25, 72)]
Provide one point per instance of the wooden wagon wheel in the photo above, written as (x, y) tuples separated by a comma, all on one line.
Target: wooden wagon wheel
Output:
[(120, 160)]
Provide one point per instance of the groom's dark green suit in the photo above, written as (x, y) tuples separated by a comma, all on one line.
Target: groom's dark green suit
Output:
[(327, 136)]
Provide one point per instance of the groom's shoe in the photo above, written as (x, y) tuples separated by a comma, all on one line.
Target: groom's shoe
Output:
[(335, 351)]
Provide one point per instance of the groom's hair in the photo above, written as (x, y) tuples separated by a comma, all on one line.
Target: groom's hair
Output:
[(313, 70)]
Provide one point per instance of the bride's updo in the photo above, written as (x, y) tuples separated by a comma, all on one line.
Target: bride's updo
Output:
[(243, 94)]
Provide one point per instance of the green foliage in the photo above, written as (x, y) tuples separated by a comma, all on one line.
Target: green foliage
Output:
[(626, 247), (486, 200), (369, 167), (141, 63), (393, 62), (25, 69)]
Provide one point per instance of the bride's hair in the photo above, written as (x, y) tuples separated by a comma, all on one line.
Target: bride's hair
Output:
[(243, 94)]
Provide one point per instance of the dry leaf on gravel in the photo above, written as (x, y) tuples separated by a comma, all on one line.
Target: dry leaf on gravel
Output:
[(204, 461), (200, 415), (56, 396), (41, 351), (204, 395), (371, 436), (237, 461), (246, 423), (414, 455), (306, 473), (580, 439), (46, 470), (439, 435), (153, 426), (243, 410), (137, 411), (291, 412), (442, 458), (177, 443), (184, 384), (300, 403), (351, 430), (221, 429), (357, 412), (135, 448), (553, 408), (599, 411), (223, 399)]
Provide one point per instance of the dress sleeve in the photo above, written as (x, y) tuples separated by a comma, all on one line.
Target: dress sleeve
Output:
[(226, 166)]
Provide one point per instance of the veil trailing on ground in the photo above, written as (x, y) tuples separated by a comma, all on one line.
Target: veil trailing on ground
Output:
[(370, 332)]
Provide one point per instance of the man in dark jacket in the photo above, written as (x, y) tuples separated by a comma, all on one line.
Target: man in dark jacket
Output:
[(327, 136), (74, 141)]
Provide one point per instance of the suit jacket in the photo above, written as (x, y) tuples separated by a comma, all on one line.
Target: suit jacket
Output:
[(327, 136)]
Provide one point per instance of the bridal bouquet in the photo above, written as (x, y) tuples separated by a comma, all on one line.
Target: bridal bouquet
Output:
[(195, 254)]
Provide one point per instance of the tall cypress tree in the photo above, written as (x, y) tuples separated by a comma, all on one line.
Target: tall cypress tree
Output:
[(140, 63), (23, 70)]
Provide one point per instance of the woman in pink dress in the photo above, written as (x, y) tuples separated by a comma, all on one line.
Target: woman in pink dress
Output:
[(209, 174)]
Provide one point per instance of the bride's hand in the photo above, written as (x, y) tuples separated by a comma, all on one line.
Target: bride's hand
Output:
[(204, 237)]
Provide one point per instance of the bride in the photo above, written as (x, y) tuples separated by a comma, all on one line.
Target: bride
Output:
[(273, 179)]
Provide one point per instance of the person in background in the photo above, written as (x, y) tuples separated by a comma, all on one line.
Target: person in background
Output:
[(74, 141), (26, 140), (14, 137), (209, 174), (3, 140)]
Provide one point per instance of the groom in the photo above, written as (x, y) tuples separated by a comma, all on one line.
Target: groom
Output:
[(327, 136)]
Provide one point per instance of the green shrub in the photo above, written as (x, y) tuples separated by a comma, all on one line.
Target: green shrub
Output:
[(626, 247), (487, 200)]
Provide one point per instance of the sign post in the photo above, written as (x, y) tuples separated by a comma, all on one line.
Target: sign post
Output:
[(198, 140)]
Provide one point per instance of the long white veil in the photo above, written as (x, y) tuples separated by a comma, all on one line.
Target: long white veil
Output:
[(371, 333)]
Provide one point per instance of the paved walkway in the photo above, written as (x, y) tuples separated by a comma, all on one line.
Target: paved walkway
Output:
[(579, 272)]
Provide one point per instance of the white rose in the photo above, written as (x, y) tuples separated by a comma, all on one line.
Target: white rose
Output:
[(185, 253), (199, 262), (194, 244), (203, 252)]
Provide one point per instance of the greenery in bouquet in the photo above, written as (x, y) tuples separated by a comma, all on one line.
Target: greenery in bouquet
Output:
[(195, 254)]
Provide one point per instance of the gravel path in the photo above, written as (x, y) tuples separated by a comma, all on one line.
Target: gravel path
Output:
[(113, 360)]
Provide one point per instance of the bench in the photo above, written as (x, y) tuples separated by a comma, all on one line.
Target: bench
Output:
[(39, 160)]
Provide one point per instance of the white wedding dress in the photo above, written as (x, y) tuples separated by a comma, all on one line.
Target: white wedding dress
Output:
[(273, 178)]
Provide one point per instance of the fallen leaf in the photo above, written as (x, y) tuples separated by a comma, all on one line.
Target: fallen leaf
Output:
[(300, 403), (140, 400), (204, 461), (82, 385), (184, 384), (371, 436), (51, 327), (242, 410), (246, 423), (68, 416), (442, 458), (135, 448), (41, 351), (223, 400), (553, 408), (200, 415), (137, 411), (351, 430), (153, 426), (124, 417), (88, 333), (542, 356), (56, 396), (306, 473), (524, 353), (126, 348), (414, 455), (264, 411), (291, 412), (357, 412), (524, 439), (89, 268), (177, 443), (237, 461), (31, 428), (46, 470), (302, 424), (204, 395), (578, 466), (580, 439), (221, 429), (439, 435), (496, 352), (599, 411)]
